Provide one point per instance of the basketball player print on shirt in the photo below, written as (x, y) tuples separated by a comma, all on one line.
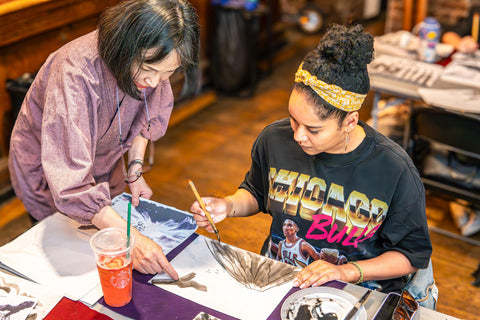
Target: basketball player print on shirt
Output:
[(296, 251), (325, 211)]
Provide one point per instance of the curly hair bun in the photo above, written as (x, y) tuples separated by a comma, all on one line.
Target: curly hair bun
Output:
[(341, 58), (348, 46)]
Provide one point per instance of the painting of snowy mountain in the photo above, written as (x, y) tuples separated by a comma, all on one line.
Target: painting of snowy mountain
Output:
[(165, 225)]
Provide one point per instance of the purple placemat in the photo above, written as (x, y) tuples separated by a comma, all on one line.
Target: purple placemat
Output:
[(151, 302)]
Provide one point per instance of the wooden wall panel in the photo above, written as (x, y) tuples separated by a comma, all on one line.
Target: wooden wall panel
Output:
[(25, 18), (29, 31), (28, 56)]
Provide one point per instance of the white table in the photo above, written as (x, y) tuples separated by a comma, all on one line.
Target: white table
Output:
[(371, 306), (384, 84), (169, 302)]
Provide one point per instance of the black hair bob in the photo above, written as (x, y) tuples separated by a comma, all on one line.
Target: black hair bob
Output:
[(128, 29)]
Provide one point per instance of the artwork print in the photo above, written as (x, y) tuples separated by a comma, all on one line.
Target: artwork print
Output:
[(408, 70), (205, 316), (165, 225), (252, 270), (14, 307), (16, 303)]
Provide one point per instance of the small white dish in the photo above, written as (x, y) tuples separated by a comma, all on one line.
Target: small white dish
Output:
[(331, 300), (443, 49)]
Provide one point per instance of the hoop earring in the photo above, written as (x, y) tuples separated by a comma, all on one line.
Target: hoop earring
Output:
[(346, 140)]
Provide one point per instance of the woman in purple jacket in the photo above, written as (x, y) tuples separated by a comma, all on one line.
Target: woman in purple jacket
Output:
[(102, 95)]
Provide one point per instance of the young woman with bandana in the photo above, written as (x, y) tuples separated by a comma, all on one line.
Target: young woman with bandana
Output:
[(346, 186), (98, 97)]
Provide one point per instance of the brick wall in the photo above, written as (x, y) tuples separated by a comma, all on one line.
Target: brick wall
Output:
[(447, 12)]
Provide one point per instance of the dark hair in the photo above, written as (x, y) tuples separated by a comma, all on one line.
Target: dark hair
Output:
[(341, 59), (127, 29)]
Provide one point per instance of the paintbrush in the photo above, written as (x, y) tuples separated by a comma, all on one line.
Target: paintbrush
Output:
[(202, 205), (358, 305)]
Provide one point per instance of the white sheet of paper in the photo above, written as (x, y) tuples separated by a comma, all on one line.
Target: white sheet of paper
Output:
[(53, 253), (224, 293), (463, 100), (46, 297), (92, 296), (461, 74)]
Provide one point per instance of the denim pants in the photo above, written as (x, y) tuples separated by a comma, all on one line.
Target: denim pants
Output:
[(421, 286)]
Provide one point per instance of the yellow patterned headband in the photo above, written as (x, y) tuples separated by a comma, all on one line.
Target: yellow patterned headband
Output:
[(336, 96)]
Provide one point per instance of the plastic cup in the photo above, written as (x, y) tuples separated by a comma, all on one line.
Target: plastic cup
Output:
[(114, 264)]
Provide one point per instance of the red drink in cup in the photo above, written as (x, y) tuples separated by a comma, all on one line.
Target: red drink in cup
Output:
[(114, 264), (116, 280)]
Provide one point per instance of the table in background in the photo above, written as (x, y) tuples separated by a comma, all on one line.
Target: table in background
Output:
[(408, 90)]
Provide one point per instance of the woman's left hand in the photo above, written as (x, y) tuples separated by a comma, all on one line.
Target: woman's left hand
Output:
[(139, 189), (317, 273)]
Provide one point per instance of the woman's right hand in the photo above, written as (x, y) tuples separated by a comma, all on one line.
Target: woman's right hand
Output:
[(217, 207), (149, 258)]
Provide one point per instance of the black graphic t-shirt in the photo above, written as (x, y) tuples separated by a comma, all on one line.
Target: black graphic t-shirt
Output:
[(348, 207)]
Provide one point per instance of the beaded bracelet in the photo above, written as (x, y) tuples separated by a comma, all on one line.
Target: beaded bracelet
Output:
[(360, 279)]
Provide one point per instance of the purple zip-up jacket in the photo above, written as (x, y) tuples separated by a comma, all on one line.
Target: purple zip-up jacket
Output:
[(65, 153)]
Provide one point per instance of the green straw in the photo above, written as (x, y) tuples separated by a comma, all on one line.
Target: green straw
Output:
[(128, 227)]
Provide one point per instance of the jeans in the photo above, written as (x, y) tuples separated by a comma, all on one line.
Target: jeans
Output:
[(421, 286)]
